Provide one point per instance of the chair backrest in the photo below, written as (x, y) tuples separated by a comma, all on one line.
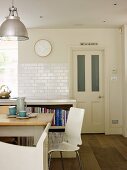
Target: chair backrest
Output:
[(24, 157), (74, 125), (45, 131), (45, 146)]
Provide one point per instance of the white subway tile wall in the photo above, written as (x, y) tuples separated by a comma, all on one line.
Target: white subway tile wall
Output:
[(43, 81)]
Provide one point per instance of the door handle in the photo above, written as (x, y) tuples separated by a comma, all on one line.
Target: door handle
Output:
[(100, 96)]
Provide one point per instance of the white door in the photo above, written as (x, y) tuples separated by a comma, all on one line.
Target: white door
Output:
[(88, 88)]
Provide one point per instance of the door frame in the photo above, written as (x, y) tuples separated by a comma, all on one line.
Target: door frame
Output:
[(106, 80)]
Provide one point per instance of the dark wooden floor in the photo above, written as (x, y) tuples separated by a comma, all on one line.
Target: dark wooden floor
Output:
[(98, 152)]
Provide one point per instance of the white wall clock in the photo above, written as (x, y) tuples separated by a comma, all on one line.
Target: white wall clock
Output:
[(42, 48)]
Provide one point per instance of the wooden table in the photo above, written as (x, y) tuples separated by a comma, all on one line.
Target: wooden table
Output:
[(24, 127)]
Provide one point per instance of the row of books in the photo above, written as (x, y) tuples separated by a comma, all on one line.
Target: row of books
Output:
[(60, 115)]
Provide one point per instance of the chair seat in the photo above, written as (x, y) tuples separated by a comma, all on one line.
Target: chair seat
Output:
[(64, 146)]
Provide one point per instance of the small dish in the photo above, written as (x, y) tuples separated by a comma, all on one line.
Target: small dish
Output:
[(19, 117), (11, 116)]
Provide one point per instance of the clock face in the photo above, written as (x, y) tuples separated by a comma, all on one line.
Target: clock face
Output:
[(42, 48)]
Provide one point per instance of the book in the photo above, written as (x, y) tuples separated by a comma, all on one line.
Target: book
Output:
[(57, 117)]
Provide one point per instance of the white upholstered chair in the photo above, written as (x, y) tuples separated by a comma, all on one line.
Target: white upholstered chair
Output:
[(17, 157), (72, 135)]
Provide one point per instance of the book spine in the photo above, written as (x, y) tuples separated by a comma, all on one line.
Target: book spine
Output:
[(60, 117), (63, 117), (57, 117)]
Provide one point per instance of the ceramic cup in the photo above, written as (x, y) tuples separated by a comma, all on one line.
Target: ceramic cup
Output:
[(12, 110), (22, 113)]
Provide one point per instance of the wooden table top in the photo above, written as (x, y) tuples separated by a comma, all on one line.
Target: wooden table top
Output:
[(41, 120)]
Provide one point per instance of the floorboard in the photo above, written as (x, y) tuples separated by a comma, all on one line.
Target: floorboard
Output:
[(98, 152)]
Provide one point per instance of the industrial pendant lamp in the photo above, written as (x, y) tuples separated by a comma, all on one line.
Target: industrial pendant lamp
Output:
[(12, 28)]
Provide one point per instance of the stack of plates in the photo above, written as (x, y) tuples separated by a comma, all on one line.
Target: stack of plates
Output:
[(11, 115)]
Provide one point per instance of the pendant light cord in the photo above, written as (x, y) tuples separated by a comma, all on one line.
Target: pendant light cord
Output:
[(13, 10), (12, 2)]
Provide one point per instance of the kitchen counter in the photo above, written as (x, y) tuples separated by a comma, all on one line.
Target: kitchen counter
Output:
[(40, 120), (24, 127), (6, 102)]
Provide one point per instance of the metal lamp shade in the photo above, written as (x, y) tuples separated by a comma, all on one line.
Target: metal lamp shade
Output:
[(13, 29)]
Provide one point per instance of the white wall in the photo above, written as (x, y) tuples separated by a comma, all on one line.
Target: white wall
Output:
[(63, 40), (124, 77)]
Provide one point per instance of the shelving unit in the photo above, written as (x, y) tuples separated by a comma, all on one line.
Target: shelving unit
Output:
[(60, 113)]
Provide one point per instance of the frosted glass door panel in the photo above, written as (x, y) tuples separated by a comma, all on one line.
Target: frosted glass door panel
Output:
[(81, 72), (95, 72)]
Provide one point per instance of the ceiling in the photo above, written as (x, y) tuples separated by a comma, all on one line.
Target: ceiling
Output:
[(68, 13)]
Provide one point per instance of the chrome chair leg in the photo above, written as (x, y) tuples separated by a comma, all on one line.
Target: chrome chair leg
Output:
[(79, 160), (49, 159), (62, 160)]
